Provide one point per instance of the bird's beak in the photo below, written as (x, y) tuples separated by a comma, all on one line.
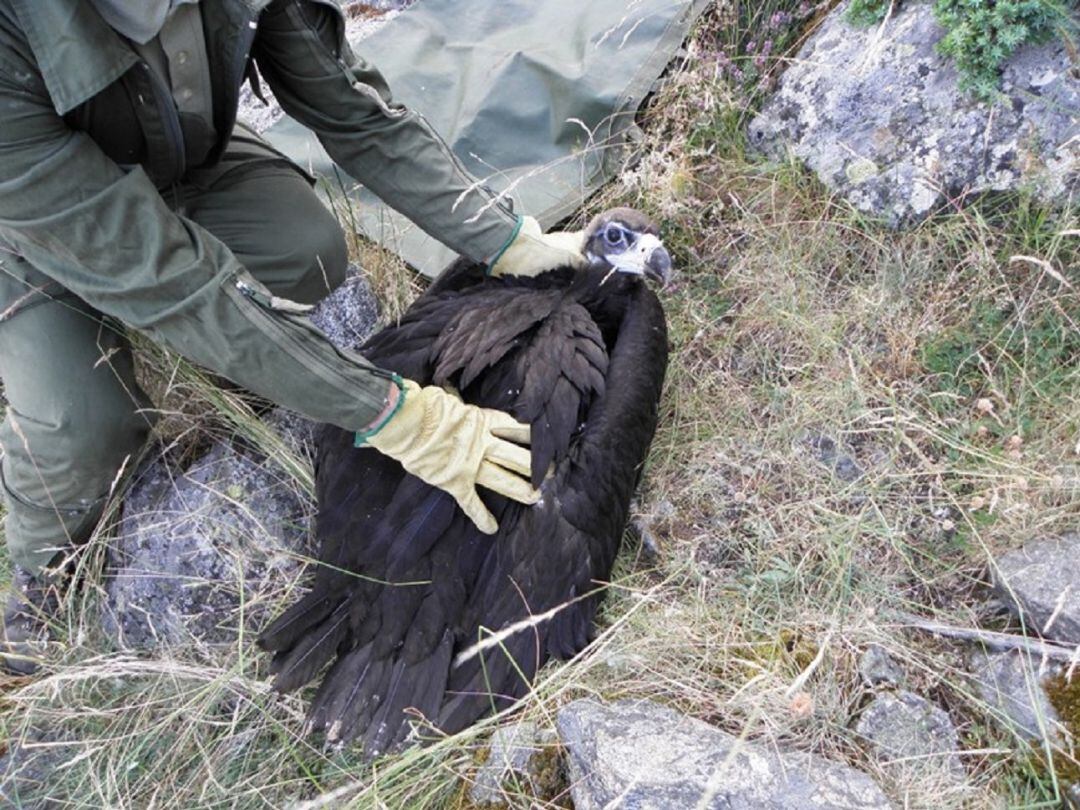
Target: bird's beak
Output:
[(658, 266), (648, 257)]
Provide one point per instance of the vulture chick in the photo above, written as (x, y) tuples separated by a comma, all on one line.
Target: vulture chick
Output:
[(421, 613)]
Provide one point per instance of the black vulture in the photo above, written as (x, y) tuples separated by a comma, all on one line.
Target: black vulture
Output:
[(425, 615)]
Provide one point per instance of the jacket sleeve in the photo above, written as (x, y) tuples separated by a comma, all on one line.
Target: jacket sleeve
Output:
[(109, 237), (301, 50)]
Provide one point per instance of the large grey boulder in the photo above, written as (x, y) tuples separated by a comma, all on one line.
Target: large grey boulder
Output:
[(200, 549), (1041, 583), (203, 551), (914, 740), (643, 756), (876, 113)]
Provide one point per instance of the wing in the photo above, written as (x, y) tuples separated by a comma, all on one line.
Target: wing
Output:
[(554, 560), (406, 585)]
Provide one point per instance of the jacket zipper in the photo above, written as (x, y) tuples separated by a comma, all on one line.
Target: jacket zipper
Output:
[(271, 312)]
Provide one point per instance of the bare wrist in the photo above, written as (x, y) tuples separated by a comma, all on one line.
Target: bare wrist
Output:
[(393, 394)]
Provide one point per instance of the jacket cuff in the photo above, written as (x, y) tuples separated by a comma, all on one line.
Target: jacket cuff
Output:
[(380, 422), (506, 246)]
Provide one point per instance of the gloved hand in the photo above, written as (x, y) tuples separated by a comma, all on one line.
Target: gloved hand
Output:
[(531, 251), (457, 447)]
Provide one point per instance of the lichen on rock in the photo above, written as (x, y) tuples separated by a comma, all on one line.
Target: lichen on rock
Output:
[(877, 113)]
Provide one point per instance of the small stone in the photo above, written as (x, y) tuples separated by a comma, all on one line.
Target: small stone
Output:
[(801, 705), (516, 761), (915, 738), (826, 451), (28, 766), (1039, 582), (1012, 683), (349, 314), (645, 756), (877, 667)]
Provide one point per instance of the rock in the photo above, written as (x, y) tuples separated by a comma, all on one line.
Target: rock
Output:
[(201, 551), (877, 667), (914, 738), (876, 113), (522, 758), (349, 314), (28, 768), (1041, 583), (643, 756), (842, 465), (1012, 683), (195, 546)]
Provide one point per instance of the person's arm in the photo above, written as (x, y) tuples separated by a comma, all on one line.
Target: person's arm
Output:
[(301, 50), (108, 236)]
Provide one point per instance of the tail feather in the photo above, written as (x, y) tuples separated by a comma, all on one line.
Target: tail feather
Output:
[(429, 687), (370, 696), (295, 622), (417, 686), (489, 683), (300, 664), (340, 688)]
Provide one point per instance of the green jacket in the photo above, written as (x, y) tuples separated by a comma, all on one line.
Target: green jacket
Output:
[(87, 140)]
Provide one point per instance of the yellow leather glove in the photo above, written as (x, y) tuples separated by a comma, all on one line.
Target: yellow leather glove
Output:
[(531, 251), (457, 447)]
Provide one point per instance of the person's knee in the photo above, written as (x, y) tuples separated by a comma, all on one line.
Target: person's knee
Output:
[(321, 252), (72, 462), (110, 437), (57, 478)]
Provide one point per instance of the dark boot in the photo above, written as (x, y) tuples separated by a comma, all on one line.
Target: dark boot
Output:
[(32, 606)]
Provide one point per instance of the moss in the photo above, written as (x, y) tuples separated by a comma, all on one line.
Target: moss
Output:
[(789, 648), (867, 12), (549, 782), (1064, 696), (552, 779)]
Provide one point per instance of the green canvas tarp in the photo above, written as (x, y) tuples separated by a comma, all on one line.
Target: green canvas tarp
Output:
[(536, 98)]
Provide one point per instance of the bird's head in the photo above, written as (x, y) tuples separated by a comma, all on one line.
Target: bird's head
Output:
[(623, 240)]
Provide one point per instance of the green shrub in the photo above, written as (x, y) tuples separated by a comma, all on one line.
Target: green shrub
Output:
[(979, 34), (867, 12)]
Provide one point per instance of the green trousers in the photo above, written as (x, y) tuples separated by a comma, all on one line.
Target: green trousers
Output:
[(75, 414)]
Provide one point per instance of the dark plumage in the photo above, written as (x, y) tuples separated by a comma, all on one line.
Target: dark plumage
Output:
[(406, 583)]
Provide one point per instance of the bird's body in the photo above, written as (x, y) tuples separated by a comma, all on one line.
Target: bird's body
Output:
[(407, 585)]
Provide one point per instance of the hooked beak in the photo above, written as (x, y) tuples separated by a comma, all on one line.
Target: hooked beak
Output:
[(648, 257), (658, 266)]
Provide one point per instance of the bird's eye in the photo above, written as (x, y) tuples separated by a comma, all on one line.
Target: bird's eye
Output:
[(613, 234)]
